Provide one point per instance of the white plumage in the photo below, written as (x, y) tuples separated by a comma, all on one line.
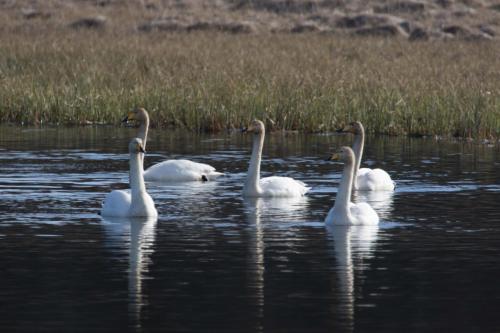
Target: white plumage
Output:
[(170, 170), (358, 214), (284, 187), (366, 179), (373, 180), (136, 202), (180, 171), (345, 212)]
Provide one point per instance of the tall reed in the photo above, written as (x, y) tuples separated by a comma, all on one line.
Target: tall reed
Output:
[(214, 81)]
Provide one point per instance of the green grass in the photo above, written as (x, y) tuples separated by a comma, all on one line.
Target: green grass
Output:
[(210, 82)]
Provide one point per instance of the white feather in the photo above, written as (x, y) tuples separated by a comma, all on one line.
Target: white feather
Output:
[(180, 171), (373, 180), (345, 212), (133, 203), (282, 187)]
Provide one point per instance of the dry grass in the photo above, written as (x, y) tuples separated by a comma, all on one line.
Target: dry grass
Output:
[(213, 81)]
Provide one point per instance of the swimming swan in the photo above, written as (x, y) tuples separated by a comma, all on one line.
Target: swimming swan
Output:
[(170, 170), (344, 212), (366, 179), (269, 186), (137, 203)]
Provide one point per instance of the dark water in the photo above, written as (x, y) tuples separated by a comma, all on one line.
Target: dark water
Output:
[(215, 262)]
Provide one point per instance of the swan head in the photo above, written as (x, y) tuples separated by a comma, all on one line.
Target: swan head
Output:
[(345, 154), (256, 127), (135, 146), (139, 115), (355, 128)]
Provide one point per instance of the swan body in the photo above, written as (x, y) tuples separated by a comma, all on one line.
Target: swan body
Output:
[(284, 187), (170, 170), (366, 179), (181, 171), (136, 202), (345, 212), (357, 214), (373, 180)]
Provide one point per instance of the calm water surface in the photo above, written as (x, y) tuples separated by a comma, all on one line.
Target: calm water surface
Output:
[(215, 262)]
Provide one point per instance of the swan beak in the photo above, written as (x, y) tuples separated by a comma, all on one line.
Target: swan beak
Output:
[(334, 157), (141, 149)]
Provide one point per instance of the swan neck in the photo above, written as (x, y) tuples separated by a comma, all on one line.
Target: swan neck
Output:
[(137, 186), (253, 176), (358, 146), (143, 134), (143, 131), (344, 192)]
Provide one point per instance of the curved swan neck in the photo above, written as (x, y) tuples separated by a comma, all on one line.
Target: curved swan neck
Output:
[(357, 147), (143, 133), (344, 192), (253, 176), (137, 186), (143, 130)]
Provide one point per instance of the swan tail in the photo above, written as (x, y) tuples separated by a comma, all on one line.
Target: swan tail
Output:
[(214, 174)]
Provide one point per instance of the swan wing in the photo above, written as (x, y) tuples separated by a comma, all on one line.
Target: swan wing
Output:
[(180, 171), (283, 187), (117, 203), (363, 171), (374, 180), (363, 214)]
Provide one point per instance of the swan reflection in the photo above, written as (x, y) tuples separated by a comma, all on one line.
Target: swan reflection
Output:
[(352, 245), (268, 209), (253, 211), (138, 234)]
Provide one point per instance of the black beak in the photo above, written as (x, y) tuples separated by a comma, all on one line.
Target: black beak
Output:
[(125, 120), (142, 150), (244, 129)]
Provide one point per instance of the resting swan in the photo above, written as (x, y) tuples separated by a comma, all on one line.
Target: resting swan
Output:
[(366, 179), (344, 212), (137, 203), (270, 186), (170, 170)]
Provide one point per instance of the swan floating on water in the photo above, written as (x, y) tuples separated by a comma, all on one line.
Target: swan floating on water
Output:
[(170, 170), (137, 202), (366, 179), (270, 186), (344, 212)]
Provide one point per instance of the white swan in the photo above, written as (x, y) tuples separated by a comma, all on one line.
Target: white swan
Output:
[(270, 186), (137, 203), (366, 179), (170, 170), (344, 212)]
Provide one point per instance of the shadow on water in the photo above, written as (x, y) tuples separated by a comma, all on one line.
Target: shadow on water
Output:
[(214, 261)]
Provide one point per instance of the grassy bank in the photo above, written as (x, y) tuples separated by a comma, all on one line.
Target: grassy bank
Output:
[(210, 81)]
